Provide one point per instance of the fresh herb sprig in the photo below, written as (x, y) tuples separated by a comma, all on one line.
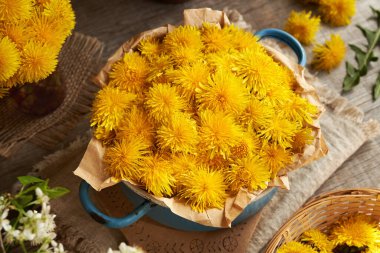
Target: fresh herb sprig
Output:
[(364, 58)]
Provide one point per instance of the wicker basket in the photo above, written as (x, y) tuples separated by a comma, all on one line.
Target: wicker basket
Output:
[(324, 210)]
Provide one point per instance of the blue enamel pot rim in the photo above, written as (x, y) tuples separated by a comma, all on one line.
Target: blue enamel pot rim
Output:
[(147, 205)]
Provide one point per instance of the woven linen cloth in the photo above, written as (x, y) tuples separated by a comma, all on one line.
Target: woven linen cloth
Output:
[(78, 61)]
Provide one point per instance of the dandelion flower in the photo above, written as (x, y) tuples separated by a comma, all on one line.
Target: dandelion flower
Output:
[(249, 173), (4, 91), (158, 69), (136, 123), (276, 95), (182, 163), (275, 157), (125, 158), (337, 12), (317, 240), (16, 32), (184, 55), (106, 136), (241, 40), (295, 247), (38, 61), (110, 107), (45, 31), (299, 109), (221, 61), (179, 134), (62, 12), (301, 139), (223, 92), (249, 144), (218, 132), (149, 47), (214, 38), (189, 78), (15, 10), (183, 37), (257, 113), (358, 231), (162, 101), (258, 70), (279, 130), (129, 73), (330, 54), (156, 174), (303, 26), (9, 59), (203, 189)]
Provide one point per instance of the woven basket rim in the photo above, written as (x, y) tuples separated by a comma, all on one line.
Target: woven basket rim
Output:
[(331, 197)]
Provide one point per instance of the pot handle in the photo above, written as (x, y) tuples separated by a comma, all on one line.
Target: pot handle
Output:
[(111, 222), (286, 38)]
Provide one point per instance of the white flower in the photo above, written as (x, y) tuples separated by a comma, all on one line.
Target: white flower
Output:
[(4, 203), (28, 234), (4, 222), (41, 197), (12, 235), (57, 247), (124, 248)]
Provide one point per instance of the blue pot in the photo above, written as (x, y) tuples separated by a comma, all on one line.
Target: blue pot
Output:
[(162, 214)]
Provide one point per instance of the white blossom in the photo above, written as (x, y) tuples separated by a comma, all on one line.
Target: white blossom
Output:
[(124, 248), (12, 235), (41, 197), (4, 222)]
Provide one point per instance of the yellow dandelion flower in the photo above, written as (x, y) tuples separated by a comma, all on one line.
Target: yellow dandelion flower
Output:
[(189, 78), (162, 101), (249, 144), (125, 158), (129, 73), (241, 40), (106, 136), (275, 157), (295, 247), (16, 32), (279, 130), (358, 231), (221, 61), (223, 92), (276, 95), (301, 139), (317, 240), (149, 47), (184, 55), (158, 69), (9, 59), (330, 54), (15, 10), (156, 174), (337, 12), (4, 91), (214, 38), (62, 12), (203, 189), (44, 30), (257, 113), (38, 61), (249, 173), (183, 37), (179, 134), (303, 26), (110, 107), (182, 163), (41, 2), (218, 132), (136, 123), (298, 109), (11, 82), (258, 70)]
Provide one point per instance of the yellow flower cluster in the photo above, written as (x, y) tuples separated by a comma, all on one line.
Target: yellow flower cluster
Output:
[(31, 36), (201, 114), (358, 233)]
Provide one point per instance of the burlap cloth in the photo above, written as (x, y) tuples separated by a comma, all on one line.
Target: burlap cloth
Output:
[(78, 61), (344, 130)]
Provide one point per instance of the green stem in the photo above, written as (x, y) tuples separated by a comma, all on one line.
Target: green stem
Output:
[(23, 247), (371, 48), (1, 243)]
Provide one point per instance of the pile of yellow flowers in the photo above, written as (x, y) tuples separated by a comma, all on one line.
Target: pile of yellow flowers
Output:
[(201, 114), (32, 33), (357, 234)]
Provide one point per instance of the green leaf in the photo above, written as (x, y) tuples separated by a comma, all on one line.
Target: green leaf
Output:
[(57, 192), (350, 81), (376, 13), (350, 69), (25, 180), (376, 88), (24, 200), (360, 55), (370, 35)]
